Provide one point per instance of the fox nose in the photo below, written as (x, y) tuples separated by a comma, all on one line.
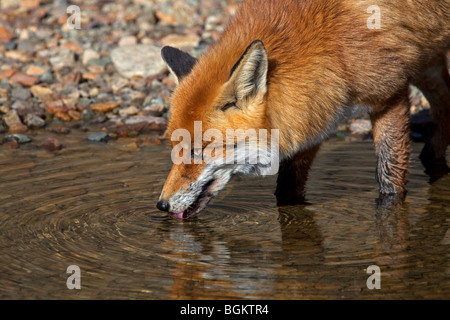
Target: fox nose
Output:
[(163, 205)]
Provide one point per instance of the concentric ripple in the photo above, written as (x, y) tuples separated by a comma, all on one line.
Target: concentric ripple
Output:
[(93, 205)]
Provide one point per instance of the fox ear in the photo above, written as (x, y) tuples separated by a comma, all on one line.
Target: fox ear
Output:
[(249, 75), (180, 63)]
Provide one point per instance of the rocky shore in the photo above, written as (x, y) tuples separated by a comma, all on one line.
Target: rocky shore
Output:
[(107, 77)]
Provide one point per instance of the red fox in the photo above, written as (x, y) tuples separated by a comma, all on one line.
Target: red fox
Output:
[(302, 67)]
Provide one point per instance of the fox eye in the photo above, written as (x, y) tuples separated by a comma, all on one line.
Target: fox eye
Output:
[(229, 105)]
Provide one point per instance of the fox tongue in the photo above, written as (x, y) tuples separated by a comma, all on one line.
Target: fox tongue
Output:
[(180, 215)]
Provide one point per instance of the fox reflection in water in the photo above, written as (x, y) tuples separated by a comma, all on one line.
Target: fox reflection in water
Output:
[(308, 259)]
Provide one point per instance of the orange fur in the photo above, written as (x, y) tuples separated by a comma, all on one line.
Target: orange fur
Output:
[(322, 59)]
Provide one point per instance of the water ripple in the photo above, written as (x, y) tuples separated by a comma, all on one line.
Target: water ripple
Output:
[(94, 206)]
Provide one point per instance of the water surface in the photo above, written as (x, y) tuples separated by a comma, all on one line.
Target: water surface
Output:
[(93, 205)]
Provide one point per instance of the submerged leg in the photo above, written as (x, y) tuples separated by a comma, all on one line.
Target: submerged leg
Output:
[(293, 175), (434, 82), (392, 145)]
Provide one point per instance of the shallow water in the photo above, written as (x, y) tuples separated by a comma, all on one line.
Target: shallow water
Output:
[(93, 205)]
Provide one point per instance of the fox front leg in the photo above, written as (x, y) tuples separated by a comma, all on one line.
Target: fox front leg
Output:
[(392, 145), (292, 177)]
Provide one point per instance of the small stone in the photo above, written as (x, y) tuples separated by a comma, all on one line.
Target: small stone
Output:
[(29, 46), (127, 41), (4, 93), (165, 17), (105, 107), (93, 92), (169, 81), (4, 109), (44, 33), (20, 138), (6, 74), (130, 111), (23, 107), (29, 4), (136, 124), (46, 77), (8, 4), (60, 130), (181, 41), (34, 70), (88, 55), (52, 144), (73, 47), (5, 35), (23, 79), (74, 77), (40, 92), (21, 104), (361, 126), (155, 110), (14, 123), (99, 137), (11, 45), (65, 58), (91, 76), (98, 65), (139, 60), (13, 144), (137, 97), (20, 93), (118, 83), (20, 55), (75, 115), (33, 121)]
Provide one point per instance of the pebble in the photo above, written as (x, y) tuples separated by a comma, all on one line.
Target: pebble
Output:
[(136, 124), (4, 109), (5, 34), (181, 41), (127, 41), (33, 121), (14, 123), (361, 126), (105, 107), (34, 70), (19, 55), (65, 58), (139, 60), (23, 79), (20, 138), (52, 144), (88, 55), (13, 144), (8, 73), (20, 93), (155, 110), (99, 137), (41, 92), (75, 115), (130, 111)]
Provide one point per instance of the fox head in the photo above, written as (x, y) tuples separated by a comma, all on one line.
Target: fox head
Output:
[(215, 95)]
